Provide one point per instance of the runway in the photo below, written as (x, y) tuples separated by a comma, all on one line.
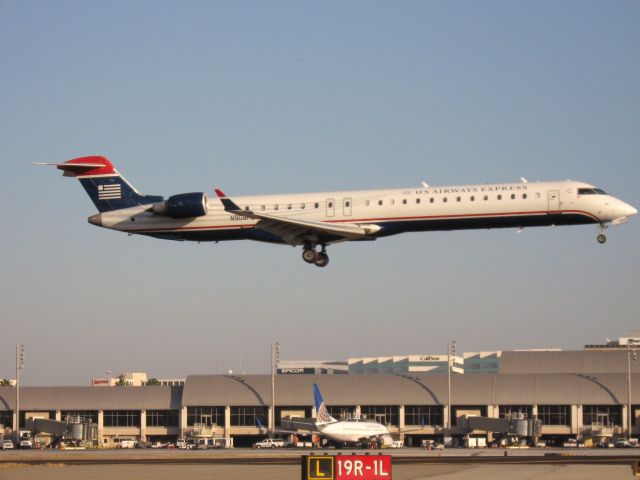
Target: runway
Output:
[(408, 464)]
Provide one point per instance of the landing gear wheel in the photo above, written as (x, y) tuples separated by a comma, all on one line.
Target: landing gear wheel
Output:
[(602, 238), (309, 255), (322, 259)]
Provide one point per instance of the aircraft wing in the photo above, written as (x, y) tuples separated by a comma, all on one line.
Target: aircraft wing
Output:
[(296, 231)]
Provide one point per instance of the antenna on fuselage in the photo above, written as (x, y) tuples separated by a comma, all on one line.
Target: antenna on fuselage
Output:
[(524, 180), (424, 184)]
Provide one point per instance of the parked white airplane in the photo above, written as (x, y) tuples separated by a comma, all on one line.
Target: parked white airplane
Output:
[(348, 431), (315, 220)]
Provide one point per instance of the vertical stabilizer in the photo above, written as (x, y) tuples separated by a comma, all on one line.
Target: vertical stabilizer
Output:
[(322, 414)]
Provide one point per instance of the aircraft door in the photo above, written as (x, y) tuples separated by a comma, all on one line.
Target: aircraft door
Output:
[(554, 200), (346, 207), (331, 207)]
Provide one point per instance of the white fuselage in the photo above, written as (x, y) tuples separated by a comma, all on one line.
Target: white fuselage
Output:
[(394, 210), (353, 431)]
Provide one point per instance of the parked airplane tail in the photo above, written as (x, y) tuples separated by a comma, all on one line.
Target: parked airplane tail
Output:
[(322, 414), (102, 182)]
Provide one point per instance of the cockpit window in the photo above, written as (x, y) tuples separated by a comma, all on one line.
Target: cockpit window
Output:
[(591, 191)]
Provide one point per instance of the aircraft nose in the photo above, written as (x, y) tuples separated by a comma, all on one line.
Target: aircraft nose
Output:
[(629, 210)]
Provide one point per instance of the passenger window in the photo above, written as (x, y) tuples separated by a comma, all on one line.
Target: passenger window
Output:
[(367, 203), (317, 205), (524, 195), (302, 206), (275, 207), (247, 208), (417, 200), (289, 207), (330, 204), (404, 201), (472, 198), (346, 204), (499, 197), (263, 207), (379, 202), (513, 196), (444, 199), (458, 199), (392, 201), (538, 195), (486, 197), (431, 200)]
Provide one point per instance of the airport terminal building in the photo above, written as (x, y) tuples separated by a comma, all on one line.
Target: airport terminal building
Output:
[(575, 394)]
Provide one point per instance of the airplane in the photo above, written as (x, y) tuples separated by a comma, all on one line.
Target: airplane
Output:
[(315, 220), (351, 431), (348, 431)]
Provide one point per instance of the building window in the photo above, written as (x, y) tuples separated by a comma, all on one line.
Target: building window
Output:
[(506, 411), (162, 418), (342, 412), (384, 414), (602, 415), (90, 416), (423, 415), (122, 418), (555, 414), (6, 418), (208, 416), (246, 416)]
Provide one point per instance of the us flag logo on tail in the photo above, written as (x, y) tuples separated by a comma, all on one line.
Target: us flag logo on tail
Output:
[(112, 191)]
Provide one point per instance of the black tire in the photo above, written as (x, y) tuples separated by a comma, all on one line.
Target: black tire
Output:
[(322, 260), (309, 255), (602, 238)]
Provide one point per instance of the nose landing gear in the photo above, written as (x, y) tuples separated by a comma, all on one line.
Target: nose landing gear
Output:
[(319, 259), (602, 238)]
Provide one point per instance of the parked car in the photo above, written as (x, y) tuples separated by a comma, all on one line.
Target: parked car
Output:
[(7, 445), (181, 444), (623, 443), (270, 443), (397, 444)]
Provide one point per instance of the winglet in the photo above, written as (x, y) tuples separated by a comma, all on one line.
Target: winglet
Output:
[(229, 205)]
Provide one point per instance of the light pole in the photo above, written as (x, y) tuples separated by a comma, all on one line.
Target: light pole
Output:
[(629, 412), (451, 351), (19, 366), (275, 358)]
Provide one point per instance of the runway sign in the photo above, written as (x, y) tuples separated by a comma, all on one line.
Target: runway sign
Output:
[(346, 467)]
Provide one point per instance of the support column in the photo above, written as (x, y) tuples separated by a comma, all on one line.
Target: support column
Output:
[(446, 418), (182, 423), (58, 416), (625, 420), (358, 411), (143, 426), (576, 420), (100, 428), (14, 422), (227, 422), (534, 411), (401, 422)]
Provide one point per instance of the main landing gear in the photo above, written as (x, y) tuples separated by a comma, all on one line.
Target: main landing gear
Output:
[(602, 237), (319, 259)]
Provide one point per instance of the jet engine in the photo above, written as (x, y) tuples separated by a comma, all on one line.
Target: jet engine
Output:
[(184, 205), (384, 441)]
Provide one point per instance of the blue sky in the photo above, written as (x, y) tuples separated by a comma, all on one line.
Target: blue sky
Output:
[(265, 97)]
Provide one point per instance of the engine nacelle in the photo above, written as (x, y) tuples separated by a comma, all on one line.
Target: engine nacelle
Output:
[(385, 441), (184, 205)]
